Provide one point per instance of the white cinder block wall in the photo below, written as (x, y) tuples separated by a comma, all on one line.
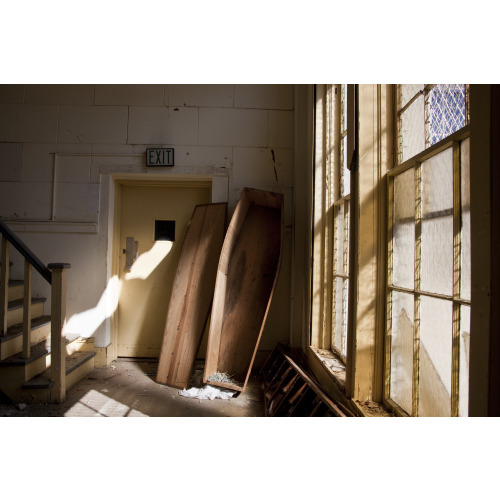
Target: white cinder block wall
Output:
[(60, 144)]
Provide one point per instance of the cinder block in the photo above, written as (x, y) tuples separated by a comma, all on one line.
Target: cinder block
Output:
[(116, 158), (208, 96), (77, 202), (203, 156), (38, 159), (73, 168), (233, 127), (154, 125), (264, 96), (93, 124), (25, 200), (28, 123), (11, 94), (118, 149), (130, 95), (277, 327), (262, 168), (60, 94), (281, 129), (10, 162), (220, 188)]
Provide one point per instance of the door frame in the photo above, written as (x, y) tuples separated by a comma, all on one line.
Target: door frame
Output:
[(219, 189)]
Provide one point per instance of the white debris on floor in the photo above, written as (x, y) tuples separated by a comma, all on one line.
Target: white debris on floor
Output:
[(207, 392)]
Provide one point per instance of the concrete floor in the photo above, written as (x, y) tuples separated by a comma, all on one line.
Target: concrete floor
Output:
[(127, 388)]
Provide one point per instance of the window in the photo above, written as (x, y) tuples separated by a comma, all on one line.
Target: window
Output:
[(340, 272), (428, 278), (331, 216)]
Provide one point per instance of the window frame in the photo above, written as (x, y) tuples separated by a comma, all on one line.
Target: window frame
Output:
[(452, 141), (332, 151)]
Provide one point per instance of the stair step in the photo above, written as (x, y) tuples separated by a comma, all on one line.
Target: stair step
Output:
[(16, 330), (37, 351), (73, 362), (15, 309), (16, 289), (19, 303), (12, 343)]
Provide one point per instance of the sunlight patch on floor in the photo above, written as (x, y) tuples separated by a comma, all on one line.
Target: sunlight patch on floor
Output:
[(96, 404)]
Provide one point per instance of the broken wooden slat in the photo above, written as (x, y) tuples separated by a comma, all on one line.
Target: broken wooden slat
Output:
[(192, 294), (290, 391)]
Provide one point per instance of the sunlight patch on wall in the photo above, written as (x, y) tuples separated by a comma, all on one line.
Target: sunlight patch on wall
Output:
[(149, 261), (84, 324)]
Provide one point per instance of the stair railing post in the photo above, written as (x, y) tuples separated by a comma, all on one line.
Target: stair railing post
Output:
[(57, 337), (4, 286), (27, 310)]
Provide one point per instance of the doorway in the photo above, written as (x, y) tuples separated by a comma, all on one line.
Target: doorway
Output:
[(153, 221)]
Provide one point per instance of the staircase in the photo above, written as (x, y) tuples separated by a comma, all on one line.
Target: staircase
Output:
[(37, 364)]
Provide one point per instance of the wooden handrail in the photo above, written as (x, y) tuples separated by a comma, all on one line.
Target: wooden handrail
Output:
[(55, 274), (26, 252)]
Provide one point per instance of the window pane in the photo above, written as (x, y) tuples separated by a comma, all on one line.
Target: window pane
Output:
[(345, 313), (463, 406), (437, 224), (446, 111), (408, 91), (343, 104), (339, 239), (346, 175), (404, 230), (465, 188), (340, 315), (402, 350), (413, 129), (435, 357), (345, 181), (346, 236)]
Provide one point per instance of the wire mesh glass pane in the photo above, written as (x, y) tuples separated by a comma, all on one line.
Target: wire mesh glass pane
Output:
[(346, 237), (407, 92), (343, 107), (404, 230), (402, 350), (463, 392), (446, 111), (437, 224), (435, 365), (345, 173), (340, 315), (465, 272), (339, 239), (412, 131)]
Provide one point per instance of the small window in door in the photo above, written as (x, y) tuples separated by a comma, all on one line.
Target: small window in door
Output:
[(164, 230)]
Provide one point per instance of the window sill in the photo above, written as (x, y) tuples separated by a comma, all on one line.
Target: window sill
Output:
[(331, 372), (332, 363)]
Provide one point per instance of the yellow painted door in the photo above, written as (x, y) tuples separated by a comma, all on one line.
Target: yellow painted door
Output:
[(147, 213)]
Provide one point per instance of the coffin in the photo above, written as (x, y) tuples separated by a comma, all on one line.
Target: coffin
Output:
[(192, 294), (246, 278)]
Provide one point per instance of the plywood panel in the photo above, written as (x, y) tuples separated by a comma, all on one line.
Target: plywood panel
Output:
[(192, 294), (246, 278)]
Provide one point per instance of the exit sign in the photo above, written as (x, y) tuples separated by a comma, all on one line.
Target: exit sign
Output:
[(162, 157)]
